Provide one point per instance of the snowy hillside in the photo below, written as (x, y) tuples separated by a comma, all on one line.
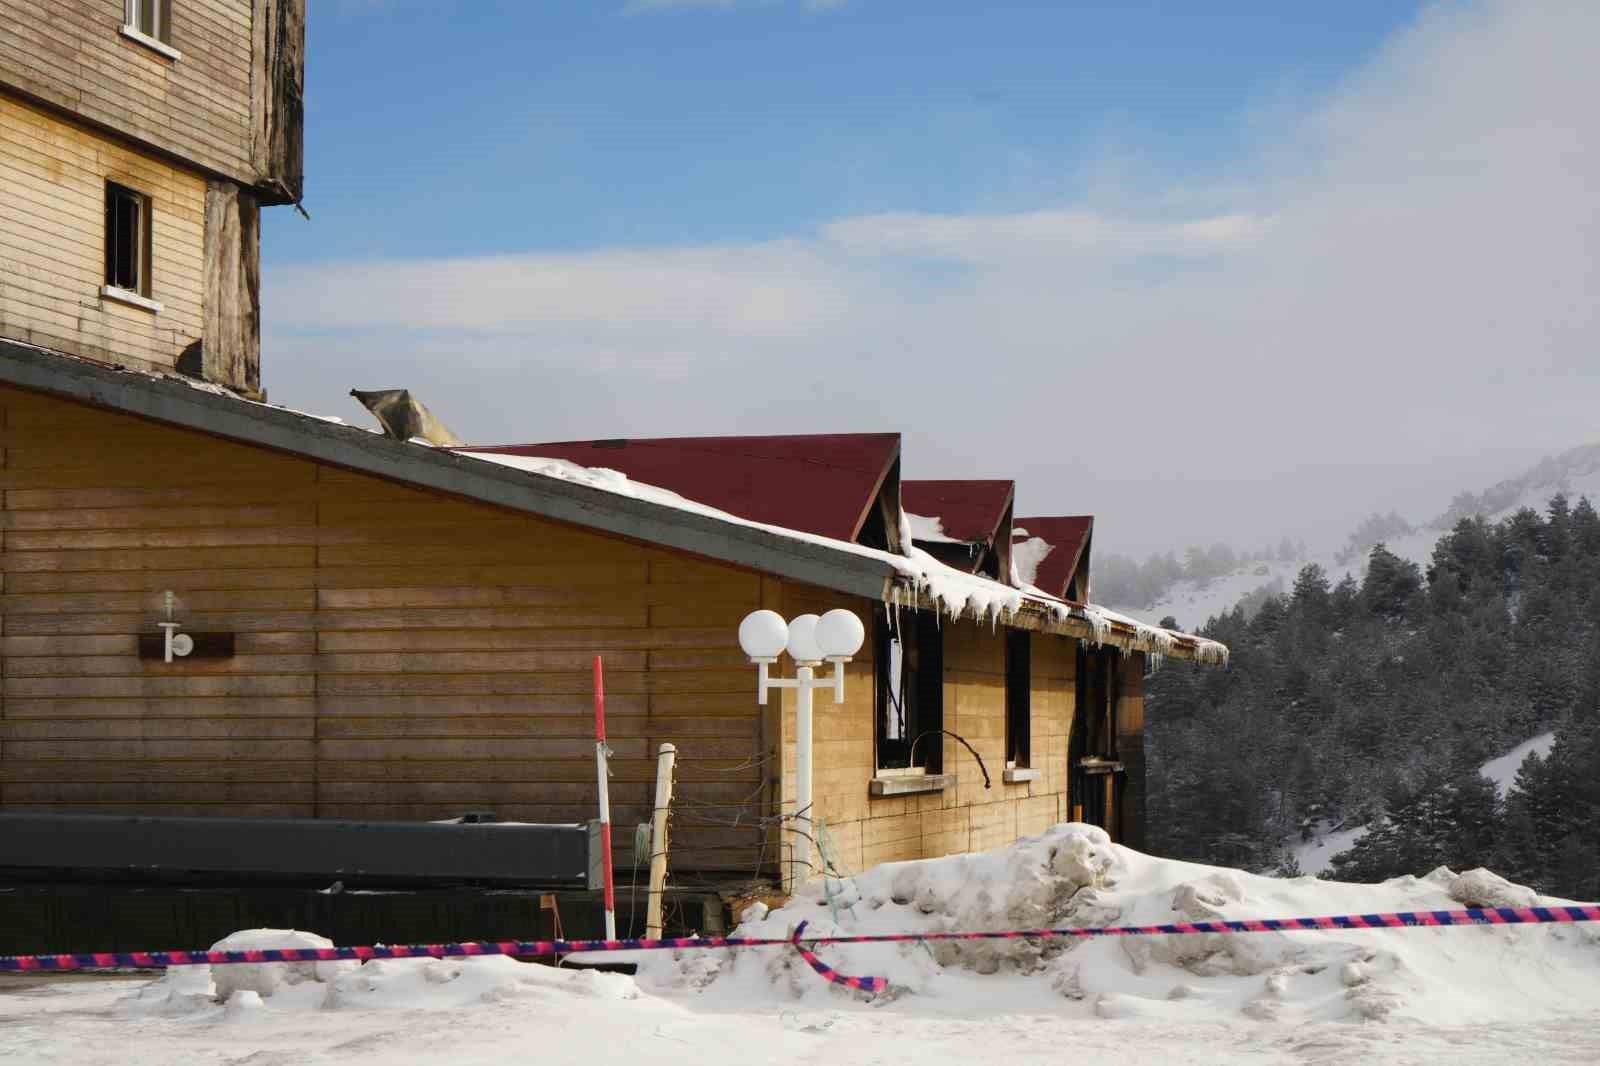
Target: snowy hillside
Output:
[(1316, 854), (1575, 472), (1464, 995)]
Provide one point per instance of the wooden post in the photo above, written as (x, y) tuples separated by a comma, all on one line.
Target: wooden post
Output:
[(658, 839)]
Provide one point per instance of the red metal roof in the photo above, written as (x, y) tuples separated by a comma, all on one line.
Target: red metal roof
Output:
[(967, 510), (1068, 537), (818, 483)]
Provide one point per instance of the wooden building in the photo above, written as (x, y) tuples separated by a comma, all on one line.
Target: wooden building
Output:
[(138, 141), (388, 630), (405, 633)]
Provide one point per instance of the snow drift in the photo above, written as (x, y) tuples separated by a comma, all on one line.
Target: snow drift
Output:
[(239, 989), (1073, 875)]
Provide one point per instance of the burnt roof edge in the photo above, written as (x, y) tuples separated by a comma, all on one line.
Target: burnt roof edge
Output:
[(213, 411)]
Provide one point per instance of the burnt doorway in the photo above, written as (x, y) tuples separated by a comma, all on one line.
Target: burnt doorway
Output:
[(1095, 771)]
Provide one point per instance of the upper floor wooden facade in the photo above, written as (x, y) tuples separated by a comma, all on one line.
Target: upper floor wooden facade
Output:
[(138, 141), (217, 85)]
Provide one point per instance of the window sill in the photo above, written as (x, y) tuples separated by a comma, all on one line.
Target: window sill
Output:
[(152, 43), (132, 299), (910, 784), (1017, 774)]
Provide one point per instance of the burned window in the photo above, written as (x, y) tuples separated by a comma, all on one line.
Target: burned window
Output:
[(1019, 697), (127, 239), (152, 18), (909, 660), (1092, 755)]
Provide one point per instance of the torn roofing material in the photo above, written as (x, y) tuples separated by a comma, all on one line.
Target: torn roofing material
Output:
[(1056, 549), (817, 483)]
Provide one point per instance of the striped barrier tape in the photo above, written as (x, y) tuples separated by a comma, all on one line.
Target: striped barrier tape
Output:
[(1390, 920), (861, 984)]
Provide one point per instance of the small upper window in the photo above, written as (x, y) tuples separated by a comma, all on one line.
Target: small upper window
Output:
[(153, 18), (1019, 697), (127, 239)]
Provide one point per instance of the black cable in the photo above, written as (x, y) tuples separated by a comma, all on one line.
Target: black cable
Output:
[(912, 751)]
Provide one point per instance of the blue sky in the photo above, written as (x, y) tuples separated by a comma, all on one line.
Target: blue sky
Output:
[(510, 125), (1205, 270)]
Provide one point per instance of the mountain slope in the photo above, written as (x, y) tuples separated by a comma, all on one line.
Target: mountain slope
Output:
[(1574, 473)]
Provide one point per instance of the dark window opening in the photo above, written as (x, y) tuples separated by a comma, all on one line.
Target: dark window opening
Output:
[(1019, 697), (1095, 781), (909, 658), (153, 18), (127, 239)]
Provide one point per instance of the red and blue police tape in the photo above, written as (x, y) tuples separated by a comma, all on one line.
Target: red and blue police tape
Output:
[(1390, 920)]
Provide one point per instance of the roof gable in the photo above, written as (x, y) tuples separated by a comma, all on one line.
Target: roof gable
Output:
[(826, 483), (1062, 570), (975, 514)]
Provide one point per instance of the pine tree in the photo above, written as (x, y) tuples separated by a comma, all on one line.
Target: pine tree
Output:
[(1391, 584)]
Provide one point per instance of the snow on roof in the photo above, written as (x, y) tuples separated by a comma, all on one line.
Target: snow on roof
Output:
[(928, 529), (1026, 555), (926, 579), (1056, 545)]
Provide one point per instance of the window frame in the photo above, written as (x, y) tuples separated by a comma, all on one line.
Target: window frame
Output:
[(141, 293), (1019, 699), (921, 690), (158, 35)]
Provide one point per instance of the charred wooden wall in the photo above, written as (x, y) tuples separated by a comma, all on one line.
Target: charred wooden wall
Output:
[(863, 829)]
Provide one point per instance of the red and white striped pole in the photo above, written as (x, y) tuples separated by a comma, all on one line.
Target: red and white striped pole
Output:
[(600, 753)]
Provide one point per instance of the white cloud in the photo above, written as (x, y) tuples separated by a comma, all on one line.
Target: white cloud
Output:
[(1050, 234), (1401, 286)]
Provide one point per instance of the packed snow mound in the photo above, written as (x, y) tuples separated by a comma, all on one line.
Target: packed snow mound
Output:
[(266, 978), (238, 990), (1073, 875)]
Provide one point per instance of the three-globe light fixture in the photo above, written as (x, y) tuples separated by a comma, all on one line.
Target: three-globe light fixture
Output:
[(810, 641)]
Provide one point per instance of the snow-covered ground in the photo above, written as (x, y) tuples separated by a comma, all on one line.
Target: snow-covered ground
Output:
[(1316, 854), (1503, 771), (1472, 995)]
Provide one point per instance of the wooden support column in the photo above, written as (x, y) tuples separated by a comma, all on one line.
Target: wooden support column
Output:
[(277, 105), (1130, 749), (231, 346)]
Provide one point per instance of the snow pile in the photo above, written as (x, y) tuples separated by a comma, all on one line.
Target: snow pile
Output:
[(1026, 555), (929, 529), (1073, 876), (237, 990)]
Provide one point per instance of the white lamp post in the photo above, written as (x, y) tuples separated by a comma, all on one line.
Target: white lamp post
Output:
[(834, 638)]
